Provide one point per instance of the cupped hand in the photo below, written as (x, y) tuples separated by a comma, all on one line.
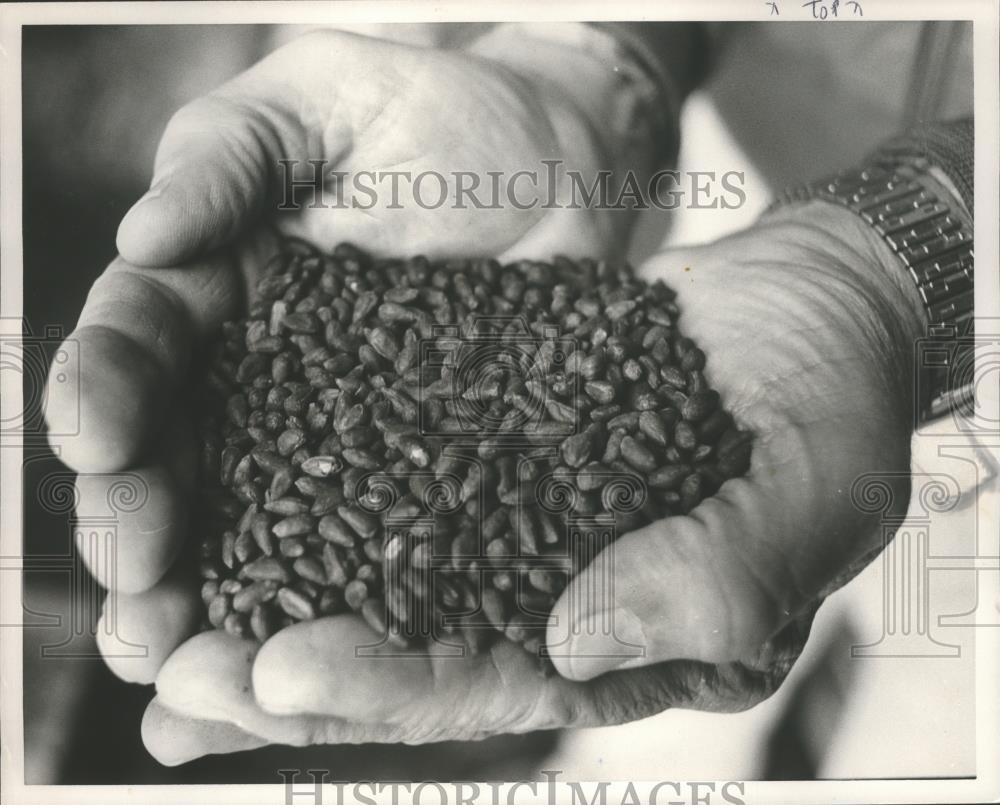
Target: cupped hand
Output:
[(350, 104), (357, 110), (809, 326), (193, 246)]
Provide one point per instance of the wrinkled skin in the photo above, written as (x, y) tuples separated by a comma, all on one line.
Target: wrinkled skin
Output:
[(804, 318)]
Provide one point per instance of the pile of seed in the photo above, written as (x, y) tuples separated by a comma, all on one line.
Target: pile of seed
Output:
[(441, 446)]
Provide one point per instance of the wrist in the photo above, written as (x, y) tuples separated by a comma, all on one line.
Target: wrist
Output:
[(863, 251), (886, 311)]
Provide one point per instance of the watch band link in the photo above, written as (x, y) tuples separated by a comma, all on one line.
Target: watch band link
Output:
[(935, 245)]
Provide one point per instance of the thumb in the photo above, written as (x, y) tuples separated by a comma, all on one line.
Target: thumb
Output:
[(214, 168), (677, 589)]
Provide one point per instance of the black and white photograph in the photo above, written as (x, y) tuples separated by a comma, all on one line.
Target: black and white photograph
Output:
[(449, 402)]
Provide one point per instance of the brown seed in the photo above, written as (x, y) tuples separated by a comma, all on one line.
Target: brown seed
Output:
[(292, 547), (262, 623), (242, 471), (383, 342), (525, 530), (290, 440), (260, 592), (638, 455), (628, 421), (702, 453), (326, 502), (287, 507), (674, 377), (373, 550), (499, 551), (601, 391), (691, 492), (295, 604), (228, 548), (551, 530), (266, 568), (398, 602), (333, 528), (364, 524), (685, 436), (576, 449), (414, 451), (333, 566), (218, 610), (493, 608), (593, 476), (355, 594), (668, 476), (421, 556), (302, 322), (321, 466), (373, 611), (652, 425), (294, 526), (546, 580), (310, 569), (237, 410), (620, 309), (329, 602), (632, 369), (260, 529), (365, 459), (693, 360), (236, 624), (699, 405), (504, 582), (244, 547), (268, 459), (209, 590)]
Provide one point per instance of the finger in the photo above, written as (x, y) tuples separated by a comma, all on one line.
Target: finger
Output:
[(211, 178), (339, 667), (677, 589), (334, 666), (137, 632), (149, 507), (128, 356), (316, 667), (219, 162), (718, 584), (173, 739), (134, 555), (209, 678)]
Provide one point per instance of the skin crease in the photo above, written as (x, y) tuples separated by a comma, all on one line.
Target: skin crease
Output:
[(802, 316)]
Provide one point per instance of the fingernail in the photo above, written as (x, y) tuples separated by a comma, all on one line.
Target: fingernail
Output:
[(606, 641)]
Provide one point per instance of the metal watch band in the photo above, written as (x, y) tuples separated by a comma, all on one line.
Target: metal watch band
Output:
[(935, 245)]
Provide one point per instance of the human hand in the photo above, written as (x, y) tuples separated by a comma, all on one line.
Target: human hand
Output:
[(718, 602), (354, 105), (358, 104), (197, 240)]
